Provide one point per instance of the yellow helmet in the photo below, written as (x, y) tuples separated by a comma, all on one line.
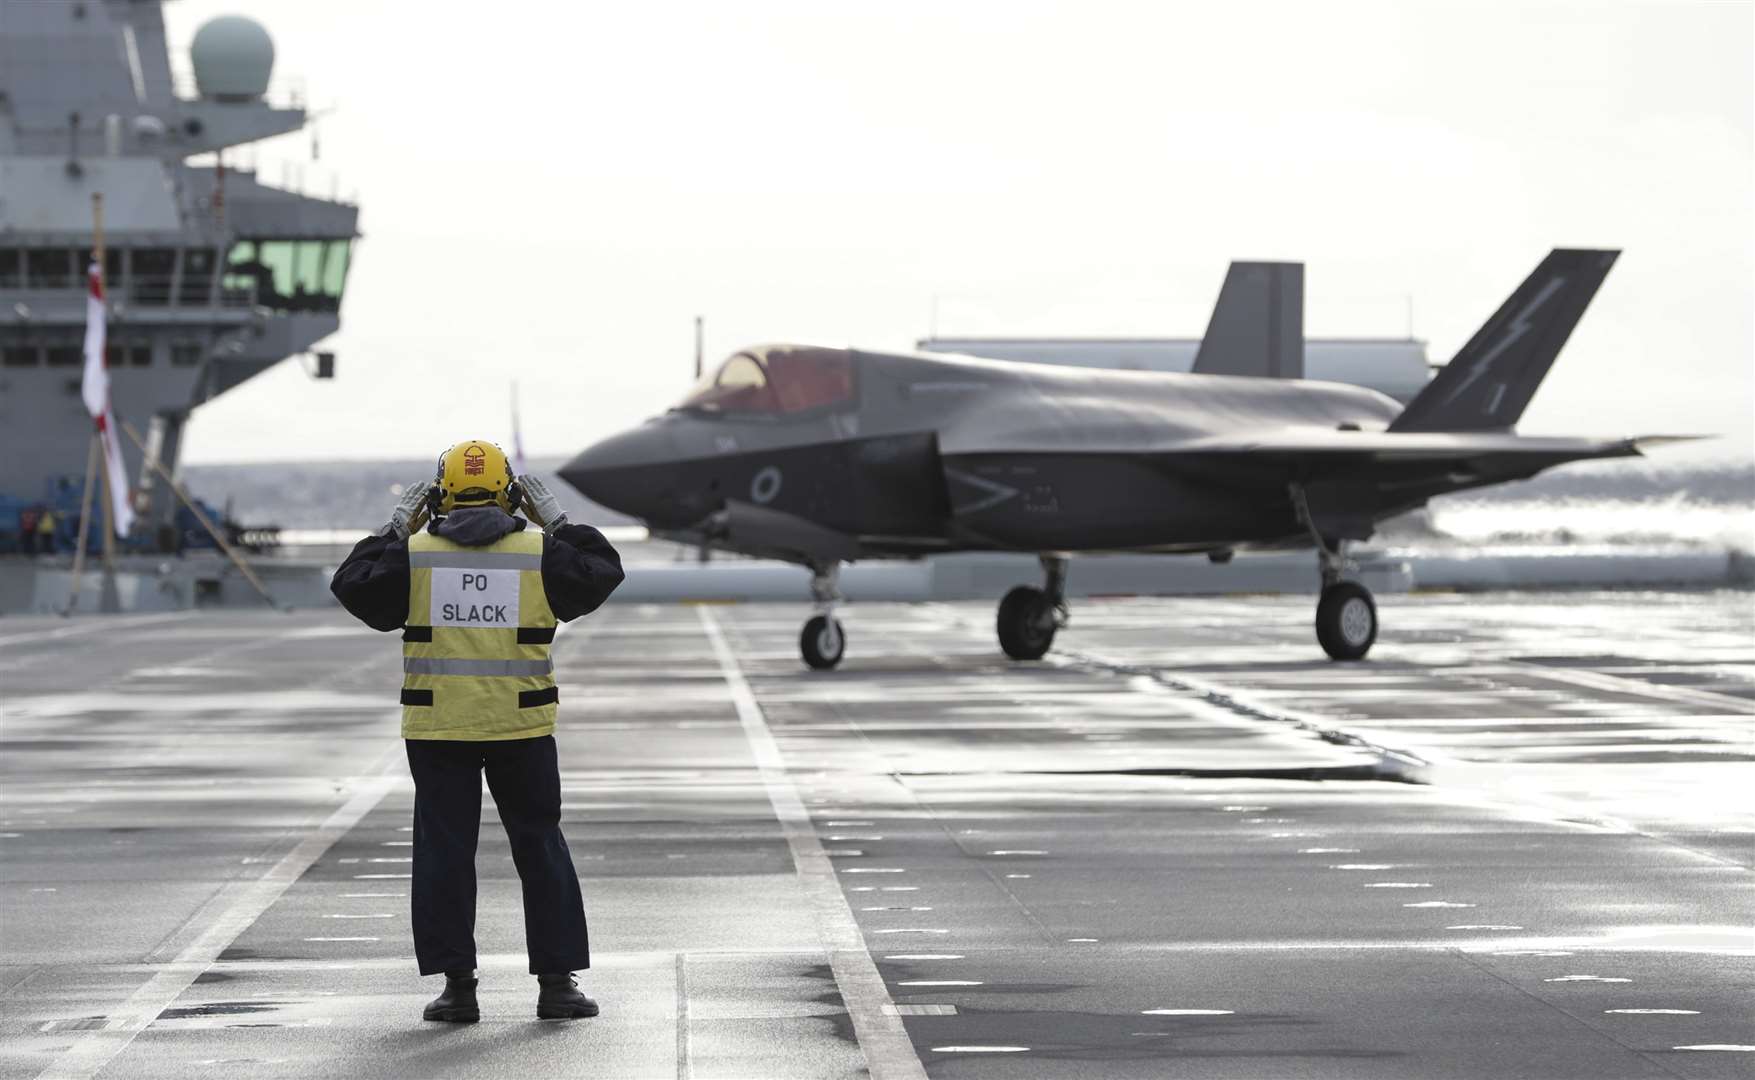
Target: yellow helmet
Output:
[(474, 472)]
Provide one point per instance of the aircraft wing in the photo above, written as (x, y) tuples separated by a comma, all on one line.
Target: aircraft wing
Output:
[(1327, 445), (1352, 479), (1348, 480)]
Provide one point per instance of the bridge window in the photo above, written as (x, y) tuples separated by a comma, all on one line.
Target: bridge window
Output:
[(49, 268), (10, 262), (150, 273), (130, 355), (335, 256), (776, 379), (19, 356), (289, 275), (196, 287)]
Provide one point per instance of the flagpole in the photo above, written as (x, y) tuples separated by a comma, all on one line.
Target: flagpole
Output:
[(91, 458), (109, 600)]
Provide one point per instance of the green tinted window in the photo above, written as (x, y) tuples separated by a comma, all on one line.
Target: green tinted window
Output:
[(335, 267), (279, 258), (290, 275), (309, 280)]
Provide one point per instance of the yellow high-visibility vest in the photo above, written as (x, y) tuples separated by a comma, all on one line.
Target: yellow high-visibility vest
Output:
[(475, 650)]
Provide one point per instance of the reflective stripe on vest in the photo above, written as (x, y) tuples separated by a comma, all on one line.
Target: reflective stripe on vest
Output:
[(475, 652), (421, 665)]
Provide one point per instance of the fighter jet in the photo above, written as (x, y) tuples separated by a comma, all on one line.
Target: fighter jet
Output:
[(824, 456)]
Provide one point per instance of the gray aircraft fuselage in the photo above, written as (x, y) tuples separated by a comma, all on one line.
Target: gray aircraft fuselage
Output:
[(941, 453), (825, 456)]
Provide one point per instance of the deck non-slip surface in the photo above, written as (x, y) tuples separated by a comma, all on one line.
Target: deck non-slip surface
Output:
[(1183, 846)]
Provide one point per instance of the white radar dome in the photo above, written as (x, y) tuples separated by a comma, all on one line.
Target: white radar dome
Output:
[(232, 57)]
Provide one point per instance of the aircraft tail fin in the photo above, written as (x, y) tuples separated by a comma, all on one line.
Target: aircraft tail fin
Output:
[(1490, 381), (1257, 326)]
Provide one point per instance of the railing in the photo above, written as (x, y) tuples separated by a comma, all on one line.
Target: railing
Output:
[(189, 291)]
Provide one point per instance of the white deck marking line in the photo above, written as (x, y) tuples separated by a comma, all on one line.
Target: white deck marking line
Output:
[(889, 1053), (684, 1069), (99, 623), (1624, 684), (1392, 763), (243, 903)]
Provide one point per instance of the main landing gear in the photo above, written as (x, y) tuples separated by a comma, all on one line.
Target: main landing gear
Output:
[(822, 642), (1346, 616), (1029, 617)]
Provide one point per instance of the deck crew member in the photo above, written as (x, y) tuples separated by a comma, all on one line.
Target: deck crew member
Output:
[(27, 530), (46, 525), (477, 595)]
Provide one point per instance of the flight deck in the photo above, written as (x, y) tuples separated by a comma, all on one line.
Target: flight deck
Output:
[(1516, 842)]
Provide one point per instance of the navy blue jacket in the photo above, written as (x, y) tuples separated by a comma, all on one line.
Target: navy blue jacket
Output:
[(579, 567)]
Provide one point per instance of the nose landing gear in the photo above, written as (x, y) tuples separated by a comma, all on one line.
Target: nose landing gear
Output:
[(822, 642), (1029, 617)]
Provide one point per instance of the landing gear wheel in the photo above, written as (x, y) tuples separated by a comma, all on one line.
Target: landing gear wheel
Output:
[(822, 642), (1026, 623), (1346, 621)]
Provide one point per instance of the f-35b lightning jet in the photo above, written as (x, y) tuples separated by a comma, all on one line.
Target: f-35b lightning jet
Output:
[(823, 456)]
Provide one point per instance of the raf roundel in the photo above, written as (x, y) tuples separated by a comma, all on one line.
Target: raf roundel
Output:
[(766, 485)]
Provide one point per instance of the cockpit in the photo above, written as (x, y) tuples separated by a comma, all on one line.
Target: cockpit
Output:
[(775, 380)]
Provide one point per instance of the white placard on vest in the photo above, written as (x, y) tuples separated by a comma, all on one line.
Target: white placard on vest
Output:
[(474, 597)]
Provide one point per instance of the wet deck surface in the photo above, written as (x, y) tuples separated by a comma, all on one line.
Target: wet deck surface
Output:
[(1182, 847)]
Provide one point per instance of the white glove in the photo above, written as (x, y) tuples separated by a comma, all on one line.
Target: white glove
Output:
[(540, 505), (410, 511)]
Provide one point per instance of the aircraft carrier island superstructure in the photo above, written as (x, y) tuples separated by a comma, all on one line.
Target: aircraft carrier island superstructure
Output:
[(212, 276)]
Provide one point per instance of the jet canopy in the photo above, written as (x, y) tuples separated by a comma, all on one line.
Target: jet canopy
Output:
[(775, 380)]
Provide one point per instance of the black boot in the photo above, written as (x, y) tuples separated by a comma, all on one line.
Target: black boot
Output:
[(457, 1005), (560, 999)]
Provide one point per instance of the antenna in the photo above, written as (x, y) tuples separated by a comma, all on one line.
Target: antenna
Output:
[(1410, 299), (698, 346), (518, 465)]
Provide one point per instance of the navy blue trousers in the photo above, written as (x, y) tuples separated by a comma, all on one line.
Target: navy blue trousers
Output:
[(525, 780)]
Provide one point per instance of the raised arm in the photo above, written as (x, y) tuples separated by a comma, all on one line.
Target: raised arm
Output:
[(372, 582), (579, 570)]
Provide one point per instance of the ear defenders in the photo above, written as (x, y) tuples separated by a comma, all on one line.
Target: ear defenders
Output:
[(514, 499)]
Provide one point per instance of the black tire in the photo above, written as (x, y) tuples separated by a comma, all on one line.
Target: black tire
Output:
[(1026, 627), (1346, 621), (822, 642)]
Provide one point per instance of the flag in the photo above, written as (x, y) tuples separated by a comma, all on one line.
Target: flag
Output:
[(95, 389), (518, 467)]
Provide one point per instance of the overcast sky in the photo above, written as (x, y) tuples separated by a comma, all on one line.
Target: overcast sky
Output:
[(551, 192)]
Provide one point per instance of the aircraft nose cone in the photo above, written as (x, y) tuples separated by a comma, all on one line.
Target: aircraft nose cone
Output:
[(620, 472)]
